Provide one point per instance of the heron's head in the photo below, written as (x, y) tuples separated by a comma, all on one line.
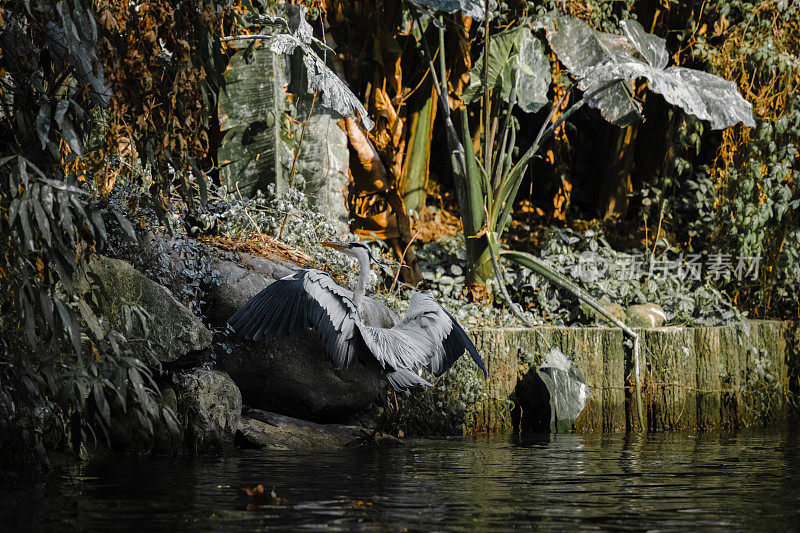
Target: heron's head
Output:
[(360, 251), (353, 249)]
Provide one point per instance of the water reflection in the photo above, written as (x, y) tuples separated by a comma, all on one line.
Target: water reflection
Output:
[(663, 481)]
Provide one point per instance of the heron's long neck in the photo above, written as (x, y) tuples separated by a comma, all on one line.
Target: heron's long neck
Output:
[(360, 288)]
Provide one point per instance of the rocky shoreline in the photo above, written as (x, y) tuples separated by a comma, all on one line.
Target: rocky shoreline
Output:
[(284, 394)]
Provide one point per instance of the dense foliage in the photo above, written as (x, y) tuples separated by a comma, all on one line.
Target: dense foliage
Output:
[(64, 370)]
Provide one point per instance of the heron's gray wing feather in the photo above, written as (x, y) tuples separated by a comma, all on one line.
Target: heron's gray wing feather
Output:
[(306, 298), (396, 348), (402, 379), (448, 339)]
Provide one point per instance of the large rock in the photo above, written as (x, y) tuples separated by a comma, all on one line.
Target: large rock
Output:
[(591, 314), (260, 429), (173, 330), (292, 375), (209, 406), (647, 315), (289, 375)]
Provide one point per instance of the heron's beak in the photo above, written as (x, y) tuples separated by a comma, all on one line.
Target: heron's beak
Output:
[(334, 245)]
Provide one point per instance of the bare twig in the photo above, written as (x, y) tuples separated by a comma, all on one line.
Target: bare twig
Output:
[(402, 262)]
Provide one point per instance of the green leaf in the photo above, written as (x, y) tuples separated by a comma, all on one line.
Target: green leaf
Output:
[(61, 110), (64, 273), (71, 136), (99, 225), (200, 178), (101, 402), (41, 218), (69, 324), (43, 124), (247, 154), (26, 225), (30, 319), (90, 319), (22, 170), (172, 423), (125, 224), (531, 75), (139, 388), (48, 198), (13, 211), (117, 392), (503, 49)]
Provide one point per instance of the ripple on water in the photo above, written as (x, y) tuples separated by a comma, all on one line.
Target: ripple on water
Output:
[(659, 482)]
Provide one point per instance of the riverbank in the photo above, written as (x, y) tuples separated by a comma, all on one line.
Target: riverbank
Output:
[(225, 391), (693, 378)]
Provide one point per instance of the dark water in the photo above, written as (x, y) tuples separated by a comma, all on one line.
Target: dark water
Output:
[(747, 481)]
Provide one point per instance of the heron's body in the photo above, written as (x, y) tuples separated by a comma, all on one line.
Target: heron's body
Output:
[(427, 337)]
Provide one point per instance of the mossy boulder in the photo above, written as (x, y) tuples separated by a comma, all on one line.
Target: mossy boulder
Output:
[(591, 314), (172, 329), (209, 406), (647, 315)]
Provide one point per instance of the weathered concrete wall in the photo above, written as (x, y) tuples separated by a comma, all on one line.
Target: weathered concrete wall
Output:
[(693, 378)]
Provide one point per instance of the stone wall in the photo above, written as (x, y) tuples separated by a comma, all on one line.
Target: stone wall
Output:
[(693, 378)]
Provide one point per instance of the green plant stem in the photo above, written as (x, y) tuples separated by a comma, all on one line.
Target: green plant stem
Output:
[(507, 124), (487, 148), (534, 264)]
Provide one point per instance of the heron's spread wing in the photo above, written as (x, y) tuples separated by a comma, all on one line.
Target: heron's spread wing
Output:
[(307, 298), (448, 340), (405, 379), (396, 348)]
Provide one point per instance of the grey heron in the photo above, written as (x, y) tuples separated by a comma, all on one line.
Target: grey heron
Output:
[(427, 337)]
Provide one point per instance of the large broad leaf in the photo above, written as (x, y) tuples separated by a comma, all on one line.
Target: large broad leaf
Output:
[(580, 49), (597, 58), (335, 94), (652, 47), (532, 74), (503, 49), (469, 8), (516, 59), (706, 96), (250, 109)]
